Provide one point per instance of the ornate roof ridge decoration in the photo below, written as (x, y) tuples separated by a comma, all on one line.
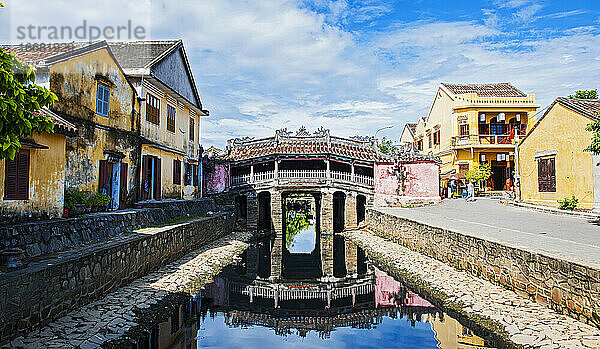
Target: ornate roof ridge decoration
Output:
[(362, 139), (408, 153), (302, 133)]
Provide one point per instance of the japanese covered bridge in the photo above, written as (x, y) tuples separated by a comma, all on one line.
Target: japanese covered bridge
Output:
[(328, 181)]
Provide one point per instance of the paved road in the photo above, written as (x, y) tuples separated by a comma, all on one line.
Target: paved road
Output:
[(572, 238)]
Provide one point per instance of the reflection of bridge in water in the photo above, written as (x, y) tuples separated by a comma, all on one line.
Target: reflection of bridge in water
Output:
[(359, 300)]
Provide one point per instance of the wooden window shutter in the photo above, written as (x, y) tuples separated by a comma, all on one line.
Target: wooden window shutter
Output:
[(104, 176), (145, 180), (551, 175), (195, 175), (16, 177), (123, 188), (23, 178), (192, 127), (546, 175), (157, 180), (177, 172), (10, 178)]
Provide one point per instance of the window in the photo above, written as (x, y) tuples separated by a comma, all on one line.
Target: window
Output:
[(463, 168), (188, 174), (176, 171), (192, 127), (420, 145), (436, 137), (195, 175), (170, 118), (430, 140), (547, 175), (16, 177), (102, 98), (463, 130), (152, 109)]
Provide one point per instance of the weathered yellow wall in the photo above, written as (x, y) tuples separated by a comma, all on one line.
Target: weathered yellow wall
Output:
[(46, 180), (75, 83), (561, 130), (170, 190), (179, 139)]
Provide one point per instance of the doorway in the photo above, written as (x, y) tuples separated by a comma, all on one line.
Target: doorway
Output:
[(499, 174), (151, 177)]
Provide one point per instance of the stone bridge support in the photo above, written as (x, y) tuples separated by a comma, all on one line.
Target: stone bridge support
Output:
[(350, 210), (252, 215), (327, 232), (277, 221)]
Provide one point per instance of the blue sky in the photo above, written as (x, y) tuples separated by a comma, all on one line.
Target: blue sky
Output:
[(353, 66)]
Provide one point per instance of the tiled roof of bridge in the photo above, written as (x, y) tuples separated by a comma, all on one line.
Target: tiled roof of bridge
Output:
[(504, 89), (304, 146)]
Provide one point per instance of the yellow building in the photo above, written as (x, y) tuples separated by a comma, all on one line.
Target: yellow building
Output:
[(171, 112), (552, 163), (95, 96), (469, 124), (408, 134), (32, 184), (451, 334)]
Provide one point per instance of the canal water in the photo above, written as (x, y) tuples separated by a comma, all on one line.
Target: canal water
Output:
[(245, 308)]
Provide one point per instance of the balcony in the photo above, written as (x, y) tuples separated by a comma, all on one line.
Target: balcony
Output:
[(472, 99), (262, 177), (471, 140)]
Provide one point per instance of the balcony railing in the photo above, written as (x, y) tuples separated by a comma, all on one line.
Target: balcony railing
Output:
[(473, 99), (302, 174), (459, 141)]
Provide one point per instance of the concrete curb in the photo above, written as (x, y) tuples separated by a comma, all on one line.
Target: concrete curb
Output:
[(551, 210)]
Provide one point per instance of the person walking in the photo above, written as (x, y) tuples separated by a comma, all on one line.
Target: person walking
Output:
[(470, 191), (451, 189)]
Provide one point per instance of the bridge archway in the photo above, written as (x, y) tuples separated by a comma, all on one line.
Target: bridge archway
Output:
[(301, 238), (241, 208), (339, 244), (264, 212), (361, 208)]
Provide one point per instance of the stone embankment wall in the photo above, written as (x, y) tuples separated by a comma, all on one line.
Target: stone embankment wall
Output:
[(43, 292), (43, 237), (565, 286)]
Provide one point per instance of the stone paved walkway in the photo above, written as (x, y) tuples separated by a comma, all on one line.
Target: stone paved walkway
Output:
[(572, 238), (527, 323), (112, 316)]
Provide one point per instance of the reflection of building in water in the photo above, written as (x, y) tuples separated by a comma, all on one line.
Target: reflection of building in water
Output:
[(303, 305), (451, 334), (178, 332)]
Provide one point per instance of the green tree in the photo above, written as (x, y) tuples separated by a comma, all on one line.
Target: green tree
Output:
[(594, 128), (387, 146), (20, 97), (585, 94), (480, 172)]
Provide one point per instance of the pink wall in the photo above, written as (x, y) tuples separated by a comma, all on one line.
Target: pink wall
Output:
[(421, 183), (216, 177)]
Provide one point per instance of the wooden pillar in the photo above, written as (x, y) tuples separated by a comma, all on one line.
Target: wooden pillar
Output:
[(251, 173), (328, 172), (276, 174), (352, 172)]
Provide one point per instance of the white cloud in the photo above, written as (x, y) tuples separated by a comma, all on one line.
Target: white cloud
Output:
[(265, 65)]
